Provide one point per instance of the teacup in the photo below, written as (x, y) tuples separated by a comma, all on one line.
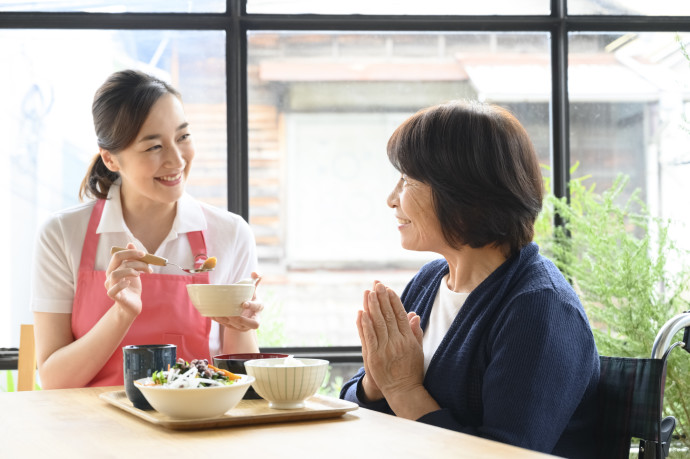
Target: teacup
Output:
[(140, 361)]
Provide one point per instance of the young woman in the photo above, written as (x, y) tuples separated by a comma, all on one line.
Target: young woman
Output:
[(490, 340), (87, 303)]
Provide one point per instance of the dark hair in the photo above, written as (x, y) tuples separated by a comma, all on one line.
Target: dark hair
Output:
[(484, 174), (120, 107)]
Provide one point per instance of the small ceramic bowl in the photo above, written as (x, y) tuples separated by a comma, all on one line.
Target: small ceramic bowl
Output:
[(234, 363), (225, 300), (286, 386), (197, 403)]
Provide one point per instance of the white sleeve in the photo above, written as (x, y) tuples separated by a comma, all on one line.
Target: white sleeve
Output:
[(53, 271), (245, 251)]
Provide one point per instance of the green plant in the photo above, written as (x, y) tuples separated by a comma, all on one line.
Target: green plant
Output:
[(9, 382), (630, 276)]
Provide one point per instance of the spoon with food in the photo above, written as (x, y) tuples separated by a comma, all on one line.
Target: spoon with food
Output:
[(209, 263)]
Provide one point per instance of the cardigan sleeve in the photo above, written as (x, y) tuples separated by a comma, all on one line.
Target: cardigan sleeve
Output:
[(542, 358), (352, 391)]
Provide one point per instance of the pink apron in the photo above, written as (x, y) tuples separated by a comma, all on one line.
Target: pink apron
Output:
[(167, 316)]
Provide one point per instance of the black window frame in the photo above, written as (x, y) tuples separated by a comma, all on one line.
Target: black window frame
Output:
[(235, 22)]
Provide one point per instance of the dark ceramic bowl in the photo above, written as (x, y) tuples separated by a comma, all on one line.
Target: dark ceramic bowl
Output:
[(234, 363)]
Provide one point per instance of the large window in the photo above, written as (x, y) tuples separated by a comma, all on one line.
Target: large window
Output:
[(293, 102), (321, 108)]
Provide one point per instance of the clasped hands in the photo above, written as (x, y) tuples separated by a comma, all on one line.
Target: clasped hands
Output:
[(392, 353)]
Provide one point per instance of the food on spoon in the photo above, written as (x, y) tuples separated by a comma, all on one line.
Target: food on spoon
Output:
[(209, 263), (189, 375)]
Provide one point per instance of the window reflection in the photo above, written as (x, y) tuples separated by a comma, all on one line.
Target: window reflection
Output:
[(429, 7), (629, 97), (116, 6), (321, 109), (630, 7), (48, 129)]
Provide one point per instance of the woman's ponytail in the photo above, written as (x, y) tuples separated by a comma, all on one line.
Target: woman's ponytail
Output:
[(98, 180)]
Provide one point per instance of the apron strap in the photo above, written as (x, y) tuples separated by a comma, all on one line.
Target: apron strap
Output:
[(197, 243), (88, 251)]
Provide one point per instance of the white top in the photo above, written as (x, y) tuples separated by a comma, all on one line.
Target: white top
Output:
[(61, 238), (446, 306)]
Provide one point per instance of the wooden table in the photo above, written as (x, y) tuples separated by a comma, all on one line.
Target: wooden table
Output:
[(76, 423)]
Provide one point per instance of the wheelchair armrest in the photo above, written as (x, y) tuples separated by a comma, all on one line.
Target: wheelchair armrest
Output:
[(668, 425), (669, 329)]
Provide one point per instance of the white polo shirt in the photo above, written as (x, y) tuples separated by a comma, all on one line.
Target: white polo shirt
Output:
[(60, 240)]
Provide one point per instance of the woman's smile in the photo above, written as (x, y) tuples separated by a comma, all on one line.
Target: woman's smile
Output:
[(170, 180), (403, 222)]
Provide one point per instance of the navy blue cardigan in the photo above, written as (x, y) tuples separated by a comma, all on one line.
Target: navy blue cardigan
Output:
[(518, 365)]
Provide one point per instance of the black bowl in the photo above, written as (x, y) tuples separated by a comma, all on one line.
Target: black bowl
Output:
[(234, 363)]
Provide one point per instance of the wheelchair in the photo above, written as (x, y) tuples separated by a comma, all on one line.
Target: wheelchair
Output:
[(631, 396)]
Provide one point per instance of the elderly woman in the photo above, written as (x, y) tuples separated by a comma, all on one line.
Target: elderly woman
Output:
[(490, 340)]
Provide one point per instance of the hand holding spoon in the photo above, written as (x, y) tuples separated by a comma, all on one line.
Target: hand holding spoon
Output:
[(208, 265)]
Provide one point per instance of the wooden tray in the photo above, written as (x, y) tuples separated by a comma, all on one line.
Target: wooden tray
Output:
[(245, 413)]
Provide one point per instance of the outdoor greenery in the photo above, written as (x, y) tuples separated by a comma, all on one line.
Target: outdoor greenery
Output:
[(7, 383), (630, 276)]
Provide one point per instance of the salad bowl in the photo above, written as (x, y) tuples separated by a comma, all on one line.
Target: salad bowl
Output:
[(193, 390), (194, 403)]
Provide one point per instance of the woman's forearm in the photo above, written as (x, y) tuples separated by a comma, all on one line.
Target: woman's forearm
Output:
[(65, 363), (413, 403), (239, 342)]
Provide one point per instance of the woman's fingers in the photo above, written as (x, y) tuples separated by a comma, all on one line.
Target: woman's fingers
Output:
[(128, 259), (399, 312), (369, 333), (375, 317), (392, 310), (415, 325), (117, 288), (131, 253), (253, 307), (360, 331), (256, 285), (238, 322)]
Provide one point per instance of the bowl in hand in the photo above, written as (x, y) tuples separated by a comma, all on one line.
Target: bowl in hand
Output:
[(234, 363), (220, 300), (286, 382), (194, 403)]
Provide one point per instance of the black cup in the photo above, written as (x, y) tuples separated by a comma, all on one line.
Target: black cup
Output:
[(234, 363), (140, 361)]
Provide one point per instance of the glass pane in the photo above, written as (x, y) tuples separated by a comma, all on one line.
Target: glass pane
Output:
[(321, 109), (49, 136), (630, 106), (114, 6), (429, 7), (631, 7)]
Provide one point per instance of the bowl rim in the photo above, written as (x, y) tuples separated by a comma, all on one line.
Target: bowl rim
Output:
[(245, 380), (254, 356), (218, 286), (258, 362)]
